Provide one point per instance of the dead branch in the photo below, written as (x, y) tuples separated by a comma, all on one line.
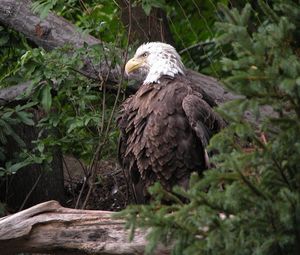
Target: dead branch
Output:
[(51, 228)]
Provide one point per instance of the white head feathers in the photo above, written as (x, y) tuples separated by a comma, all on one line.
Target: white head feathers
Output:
[(153, 60)]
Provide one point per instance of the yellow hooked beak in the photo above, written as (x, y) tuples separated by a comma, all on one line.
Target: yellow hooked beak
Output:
[(133, 64)]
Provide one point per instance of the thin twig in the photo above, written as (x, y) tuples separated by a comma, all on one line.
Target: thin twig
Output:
[(81, 192), (83, 167), (92, 168), (201, 44), (84, 74), (100, 145), (91, 182), (103, 109), (69, 174), (123, 70), (30, 192)]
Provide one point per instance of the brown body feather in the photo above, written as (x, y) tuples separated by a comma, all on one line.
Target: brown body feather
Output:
[(164, 130)]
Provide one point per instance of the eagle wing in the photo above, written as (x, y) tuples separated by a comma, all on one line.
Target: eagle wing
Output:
[(157, 140), (129, 165), (203, 120)]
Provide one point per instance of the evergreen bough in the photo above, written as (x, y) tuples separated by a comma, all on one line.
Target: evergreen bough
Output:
[(250, 202)]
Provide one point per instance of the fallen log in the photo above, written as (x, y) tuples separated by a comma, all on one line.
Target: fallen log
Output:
[(51, 228)]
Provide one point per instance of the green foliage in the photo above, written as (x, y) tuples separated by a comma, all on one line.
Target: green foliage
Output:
[(12, 47), (99, 18), (191, 23), (77, 107), (250, 202), (72, 113), (147, 5), (10, 117)]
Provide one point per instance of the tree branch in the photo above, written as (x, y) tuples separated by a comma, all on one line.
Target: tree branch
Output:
[(49, 33)]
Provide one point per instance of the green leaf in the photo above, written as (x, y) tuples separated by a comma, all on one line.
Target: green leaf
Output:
[(15, 167), (147, 8), (43, 7), (41, 147), (4, 39), (25, 118), (46, 98), (147, 5), (27, 106), (17, 138)]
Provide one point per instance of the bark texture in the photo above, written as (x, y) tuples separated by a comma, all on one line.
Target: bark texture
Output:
[(50, 228), (50, 33), (9, 95)]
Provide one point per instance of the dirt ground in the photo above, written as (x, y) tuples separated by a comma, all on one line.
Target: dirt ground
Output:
[(110, 191)]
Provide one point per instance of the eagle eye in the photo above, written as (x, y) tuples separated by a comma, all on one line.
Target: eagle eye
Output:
[(145, 54)]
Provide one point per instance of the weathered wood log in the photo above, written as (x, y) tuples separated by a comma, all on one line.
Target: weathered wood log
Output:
[(51, 228), (55, 31)]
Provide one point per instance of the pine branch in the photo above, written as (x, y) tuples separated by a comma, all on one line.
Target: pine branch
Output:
[(268, 11)]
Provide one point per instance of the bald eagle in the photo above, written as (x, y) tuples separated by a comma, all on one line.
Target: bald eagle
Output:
[(166, 125)]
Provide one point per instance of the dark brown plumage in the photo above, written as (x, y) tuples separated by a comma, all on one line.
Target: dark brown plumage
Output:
[(165, 127)]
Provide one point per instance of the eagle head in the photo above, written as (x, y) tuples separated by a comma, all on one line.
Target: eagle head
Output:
[(153, 60)]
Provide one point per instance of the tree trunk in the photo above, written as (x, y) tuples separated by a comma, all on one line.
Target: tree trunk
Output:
[(145, 28), (50, 228)]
